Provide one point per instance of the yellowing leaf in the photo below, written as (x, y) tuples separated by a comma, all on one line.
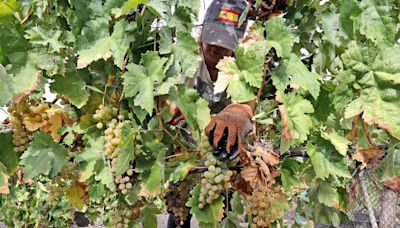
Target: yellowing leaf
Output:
[(75, 195), (4, 189), (57, 117)]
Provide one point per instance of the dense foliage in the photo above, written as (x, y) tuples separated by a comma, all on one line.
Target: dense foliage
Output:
[(326, 78)]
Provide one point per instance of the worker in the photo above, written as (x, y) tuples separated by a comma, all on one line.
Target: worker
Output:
[(220, 35)]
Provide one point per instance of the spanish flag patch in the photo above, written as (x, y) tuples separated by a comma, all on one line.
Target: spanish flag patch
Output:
[(228, 15)]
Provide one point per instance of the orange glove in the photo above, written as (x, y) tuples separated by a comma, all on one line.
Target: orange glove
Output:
[(227, 130)]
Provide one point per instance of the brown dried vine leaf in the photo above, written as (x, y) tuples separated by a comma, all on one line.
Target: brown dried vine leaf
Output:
[(251, 38), (393, 184), (286, 133), (259, 172), (366, 155), (4, 189)]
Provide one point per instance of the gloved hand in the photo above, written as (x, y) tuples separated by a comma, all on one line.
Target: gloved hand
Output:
[(227, 130)]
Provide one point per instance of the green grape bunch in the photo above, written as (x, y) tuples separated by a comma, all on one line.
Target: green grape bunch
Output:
[(216, 179)]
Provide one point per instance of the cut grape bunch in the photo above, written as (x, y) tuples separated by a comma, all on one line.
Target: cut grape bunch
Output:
[(123, 214), (216, 179)]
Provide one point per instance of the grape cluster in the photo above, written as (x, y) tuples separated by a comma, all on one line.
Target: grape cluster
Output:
[(260, 205), (123, 214), (204, 146), (124, 182), (215, 180), (104, 114), (176, 198), (113, 138), (20, 135)]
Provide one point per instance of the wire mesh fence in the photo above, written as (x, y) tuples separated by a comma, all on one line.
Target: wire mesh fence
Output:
[(371, 205)]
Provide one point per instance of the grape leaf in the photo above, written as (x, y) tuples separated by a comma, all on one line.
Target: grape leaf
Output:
[(95, 43), (6, 91), (93, 163), (211, 214), (301, 76), (296, 123), (332, 28), (237, 203), (25, 80), (186, 54), (148, 216), (182, 170), (75, 194), (73, 87), (328, 195), (139, 79), (154, 176), (378, 101), (229, 77), (325, 161), (122, 35), (165, 40), (289, 169), (391, 163), (202, 113), (8, 157), (231, 221), (8, 7), (45, 37), (279, 36), (127, 146), (339, 142), (131, 4), (376, 21), (43, 156)]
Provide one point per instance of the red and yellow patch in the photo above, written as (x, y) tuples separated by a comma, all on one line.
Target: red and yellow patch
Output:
[(228, 15)]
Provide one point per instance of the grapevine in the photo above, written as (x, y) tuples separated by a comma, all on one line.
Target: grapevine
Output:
[(90, 92)]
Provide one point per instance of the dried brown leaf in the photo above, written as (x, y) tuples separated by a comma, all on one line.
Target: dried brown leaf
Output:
[(366, 155), (286, 133), (393, 183)]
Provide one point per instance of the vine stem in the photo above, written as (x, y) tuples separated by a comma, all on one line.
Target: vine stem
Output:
[(26, 17), (370, 139)]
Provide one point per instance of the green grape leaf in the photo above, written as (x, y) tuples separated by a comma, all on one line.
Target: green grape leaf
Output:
[(325, 161), (289, 173), (6, 91), (391, 163), (122, 35), (43, 156), (377, 21), (8, 157), (229, 78), (301, 76), (332, 29), (93, 163), (8, 7), (25, 80), (164, 88), (148, 216), (182, 170), (50, 62), (211, 214), (328, 195), (339, 142), (378, 101), (45, 37), (279, 36), (231, 221), (186, 99), (359, 58), (139, 79), (203, 116), (296, 124), (343, 93), (133, 194), (237, 203), (152, 181), (165, 40), (95, 42), (131, 4), (127, 154), (186, 54), (73, 87)]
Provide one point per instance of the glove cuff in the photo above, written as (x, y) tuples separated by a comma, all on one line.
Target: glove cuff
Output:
[(243, 107)]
